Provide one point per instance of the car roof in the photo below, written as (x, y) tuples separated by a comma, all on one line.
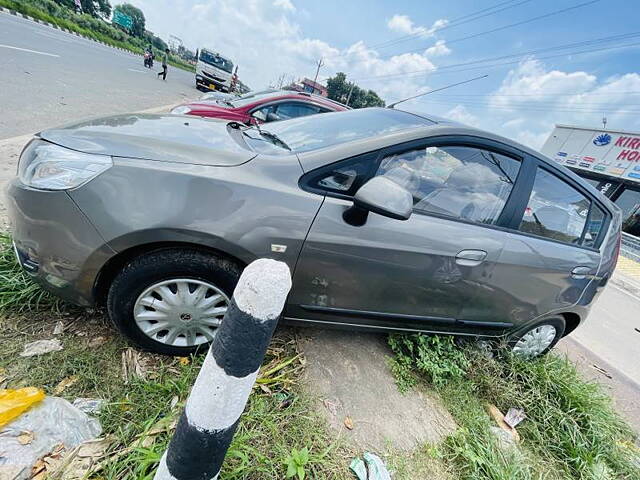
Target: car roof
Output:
[(301, 96)]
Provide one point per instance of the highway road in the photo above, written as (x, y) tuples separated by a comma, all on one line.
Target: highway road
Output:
[(49, 77)]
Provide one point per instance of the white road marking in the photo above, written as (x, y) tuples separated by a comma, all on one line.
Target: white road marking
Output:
[(28, 50), (135, 70)]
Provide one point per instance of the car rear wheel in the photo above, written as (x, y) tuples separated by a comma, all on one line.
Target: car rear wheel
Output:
[(538, 338), (172, 301)]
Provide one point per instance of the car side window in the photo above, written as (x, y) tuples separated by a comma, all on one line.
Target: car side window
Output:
[(558, 211), (261, 113), (344, 177), (596, 221), (295, 109), (464, 182)]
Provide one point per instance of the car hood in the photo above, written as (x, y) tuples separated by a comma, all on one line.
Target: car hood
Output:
[(169, 138)]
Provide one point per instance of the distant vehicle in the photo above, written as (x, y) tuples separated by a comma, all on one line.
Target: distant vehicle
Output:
[(230, 96), (213, 71), (389, 221), (148, 59), (262, 107)]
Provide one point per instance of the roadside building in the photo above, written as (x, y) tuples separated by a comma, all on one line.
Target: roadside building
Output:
[(608, 159), (309, 86)]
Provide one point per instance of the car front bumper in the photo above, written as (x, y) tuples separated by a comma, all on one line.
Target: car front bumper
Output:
[(55, 243), (211, 84)]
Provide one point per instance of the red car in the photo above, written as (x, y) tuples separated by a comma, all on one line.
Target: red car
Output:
[(261, 108)]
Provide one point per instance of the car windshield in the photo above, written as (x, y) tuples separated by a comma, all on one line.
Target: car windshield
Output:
[(313, 132), (216, 60)]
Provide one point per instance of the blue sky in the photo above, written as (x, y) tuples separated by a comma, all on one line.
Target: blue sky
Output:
[(522, 100)]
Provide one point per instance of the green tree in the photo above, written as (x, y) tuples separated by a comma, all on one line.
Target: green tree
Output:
[(138, 18), (340, 90), (91, 7)]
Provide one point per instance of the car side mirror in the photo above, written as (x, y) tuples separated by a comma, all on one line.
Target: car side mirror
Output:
[(382, 196), (272, 117)]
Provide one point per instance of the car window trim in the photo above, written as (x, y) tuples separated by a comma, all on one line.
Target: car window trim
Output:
[(516, 203)]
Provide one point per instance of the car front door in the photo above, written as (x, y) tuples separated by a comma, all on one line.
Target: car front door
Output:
[(415, 274)]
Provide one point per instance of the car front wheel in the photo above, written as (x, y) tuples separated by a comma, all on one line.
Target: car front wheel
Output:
[(538, 338), (172, 301)]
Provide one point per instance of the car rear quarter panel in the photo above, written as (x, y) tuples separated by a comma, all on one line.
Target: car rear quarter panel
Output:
[(242, 211)]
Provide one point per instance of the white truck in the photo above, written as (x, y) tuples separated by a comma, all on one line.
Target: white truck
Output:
[(213, 71)]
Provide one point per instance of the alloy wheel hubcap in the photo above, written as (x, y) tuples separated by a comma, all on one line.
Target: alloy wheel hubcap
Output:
[(181, 312), (535, 341)]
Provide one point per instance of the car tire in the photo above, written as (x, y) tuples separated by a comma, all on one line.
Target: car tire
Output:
[(167, 267), (538, 338)]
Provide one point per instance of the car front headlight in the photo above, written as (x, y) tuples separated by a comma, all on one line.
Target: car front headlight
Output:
[(47, 166), (181, 110)]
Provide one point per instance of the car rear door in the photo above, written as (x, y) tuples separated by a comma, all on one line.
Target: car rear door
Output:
[(416, 274), (550, 255)]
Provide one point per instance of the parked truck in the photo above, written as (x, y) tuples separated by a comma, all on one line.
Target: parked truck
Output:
[(214, 71)]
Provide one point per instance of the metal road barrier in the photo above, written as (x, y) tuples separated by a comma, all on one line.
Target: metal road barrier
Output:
[(220, 393), (630, 247)]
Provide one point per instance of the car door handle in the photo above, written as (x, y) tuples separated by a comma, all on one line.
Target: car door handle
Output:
[(470, 258), (580, 273)]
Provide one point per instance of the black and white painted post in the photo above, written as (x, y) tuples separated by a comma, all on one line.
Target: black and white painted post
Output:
[(228, 373)]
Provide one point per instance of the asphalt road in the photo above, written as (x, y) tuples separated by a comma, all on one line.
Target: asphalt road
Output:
[(50, 77)]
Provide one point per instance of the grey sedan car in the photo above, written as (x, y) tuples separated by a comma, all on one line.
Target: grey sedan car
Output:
[(389, 221)]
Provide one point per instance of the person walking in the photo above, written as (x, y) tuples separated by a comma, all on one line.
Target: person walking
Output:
[(164, 65)]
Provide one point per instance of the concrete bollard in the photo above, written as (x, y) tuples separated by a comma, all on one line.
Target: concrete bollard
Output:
[(220, 393)]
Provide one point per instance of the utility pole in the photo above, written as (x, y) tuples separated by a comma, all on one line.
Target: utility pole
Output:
[(350, 92), (320, 64)]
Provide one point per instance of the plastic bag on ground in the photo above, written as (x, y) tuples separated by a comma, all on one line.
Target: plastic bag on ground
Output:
[(14, 402), (372, 468), (53, 421)]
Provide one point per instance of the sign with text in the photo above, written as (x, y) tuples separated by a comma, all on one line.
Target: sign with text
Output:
[(607, 152), (122, 19)]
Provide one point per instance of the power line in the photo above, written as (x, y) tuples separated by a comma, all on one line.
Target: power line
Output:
[(537, 109), (391, 105), (453, 23), (504, 27), (478, 63)]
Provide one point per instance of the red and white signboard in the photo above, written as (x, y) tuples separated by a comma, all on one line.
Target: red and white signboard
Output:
[(608, 152)]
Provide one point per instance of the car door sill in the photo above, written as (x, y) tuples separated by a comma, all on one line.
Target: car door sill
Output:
[(371, 314), (361, 326), (401, 316)]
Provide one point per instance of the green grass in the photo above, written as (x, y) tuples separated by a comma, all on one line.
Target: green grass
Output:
[(17, 292), (572, 430)]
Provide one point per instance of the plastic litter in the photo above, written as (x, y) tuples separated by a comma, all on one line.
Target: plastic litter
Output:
[(90, 406), (53, 421), (41, 347), (514, 416), (372, 468), (14, 402)]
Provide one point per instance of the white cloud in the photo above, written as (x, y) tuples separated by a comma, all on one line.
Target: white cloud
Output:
[(438, 50), (285, 4), (404, 25), (532, 99), (460, 114)]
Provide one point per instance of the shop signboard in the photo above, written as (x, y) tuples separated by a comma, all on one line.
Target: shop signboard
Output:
[(608, 152)]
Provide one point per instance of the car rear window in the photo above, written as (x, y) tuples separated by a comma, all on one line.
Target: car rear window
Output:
[(558, 211), (319, 131)]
